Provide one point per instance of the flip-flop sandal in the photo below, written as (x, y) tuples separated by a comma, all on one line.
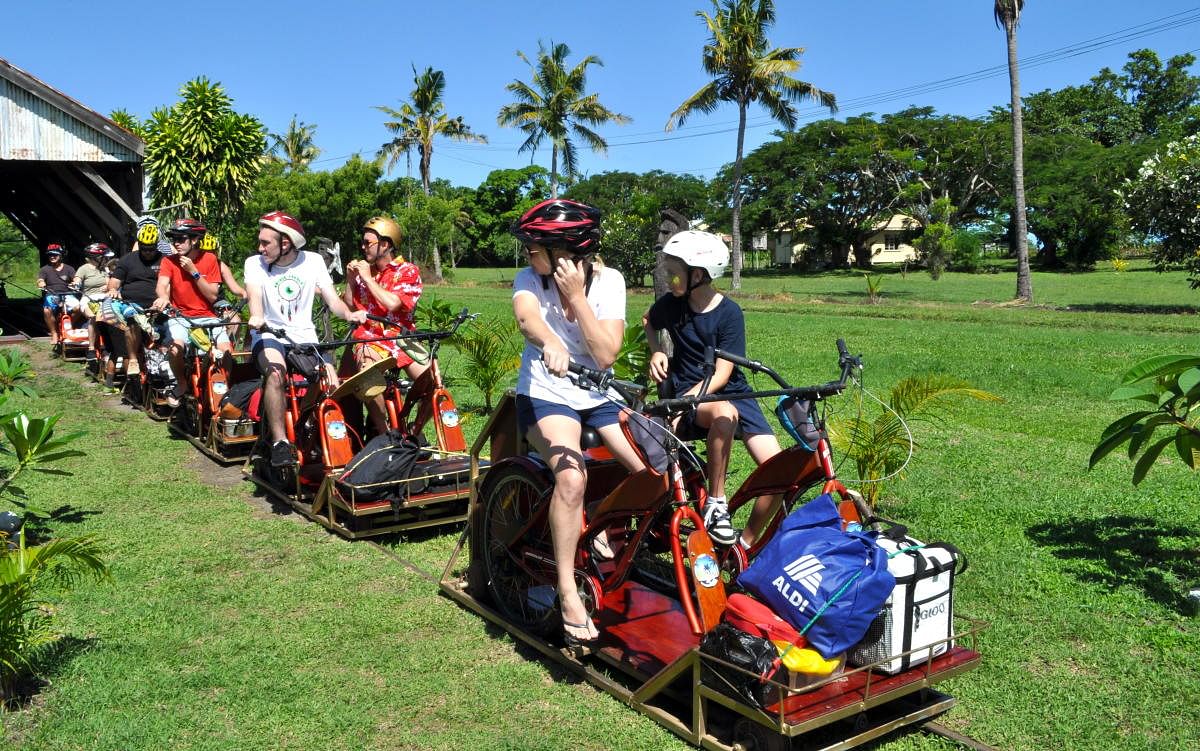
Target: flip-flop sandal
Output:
[(577, 645), (601, 550)]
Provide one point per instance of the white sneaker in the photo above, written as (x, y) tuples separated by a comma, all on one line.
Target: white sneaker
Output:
[(717, 522)]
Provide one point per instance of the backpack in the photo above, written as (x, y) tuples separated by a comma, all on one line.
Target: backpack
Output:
[(828, 583), (382, 470)]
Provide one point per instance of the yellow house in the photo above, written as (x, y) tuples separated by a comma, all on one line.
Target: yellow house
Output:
[(888, 244)]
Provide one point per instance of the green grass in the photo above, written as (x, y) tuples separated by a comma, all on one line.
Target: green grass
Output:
[(229, 628)]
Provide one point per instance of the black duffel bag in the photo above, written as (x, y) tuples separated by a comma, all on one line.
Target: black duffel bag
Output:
[(382, 469)]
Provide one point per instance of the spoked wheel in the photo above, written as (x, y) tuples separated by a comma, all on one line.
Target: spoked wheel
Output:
[(518, 553), (748, 735)]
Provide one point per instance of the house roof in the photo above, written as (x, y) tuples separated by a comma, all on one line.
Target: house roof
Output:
[(67, 173)]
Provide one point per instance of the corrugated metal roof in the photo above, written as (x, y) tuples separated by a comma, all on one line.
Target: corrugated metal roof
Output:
[(33, 129), (40, 123)]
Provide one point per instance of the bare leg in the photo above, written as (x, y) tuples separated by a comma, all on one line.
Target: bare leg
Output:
[(720, 418), (557, 440)]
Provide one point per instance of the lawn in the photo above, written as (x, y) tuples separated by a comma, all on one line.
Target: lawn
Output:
[(229, 626)]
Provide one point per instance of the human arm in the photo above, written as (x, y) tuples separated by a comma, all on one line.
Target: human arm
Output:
[(162, 290), (231, 282), (254, 298), (659, 364), (338, 306), (602, 337), (208, 288)]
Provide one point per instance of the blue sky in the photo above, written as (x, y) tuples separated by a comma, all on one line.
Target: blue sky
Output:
[(329, 62)]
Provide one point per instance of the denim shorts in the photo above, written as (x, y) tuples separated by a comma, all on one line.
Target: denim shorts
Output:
[(530, 410), (178, 329)]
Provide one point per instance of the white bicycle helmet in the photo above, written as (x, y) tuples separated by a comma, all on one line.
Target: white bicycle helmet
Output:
[(701, 250)]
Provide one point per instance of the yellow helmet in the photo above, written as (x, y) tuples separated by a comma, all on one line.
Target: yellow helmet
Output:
[(148, 234), (385, 227), (210, 242)]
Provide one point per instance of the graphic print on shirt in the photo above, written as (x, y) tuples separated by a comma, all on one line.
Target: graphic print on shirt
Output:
[(288, 289)]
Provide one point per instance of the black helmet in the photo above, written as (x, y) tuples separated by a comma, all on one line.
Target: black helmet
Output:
[(186, 228), (560, 223)]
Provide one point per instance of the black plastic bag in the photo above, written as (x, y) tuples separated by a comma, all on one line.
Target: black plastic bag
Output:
[(748, 652)]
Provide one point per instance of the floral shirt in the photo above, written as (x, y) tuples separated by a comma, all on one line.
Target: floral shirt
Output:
[(402, 279)]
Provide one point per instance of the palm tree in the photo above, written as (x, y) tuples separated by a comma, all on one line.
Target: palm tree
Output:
[(420, 120), (555, 105), (746, 70), (1008, 14), (295, 148)]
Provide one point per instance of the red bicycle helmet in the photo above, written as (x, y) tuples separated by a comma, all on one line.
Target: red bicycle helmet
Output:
[(560, 223), (96, 250), (54, 249), (186, 228), (286, 224)]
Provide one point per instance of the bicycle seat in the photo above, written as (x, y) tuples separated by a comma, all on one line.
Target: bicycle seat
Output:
[(589, 438)]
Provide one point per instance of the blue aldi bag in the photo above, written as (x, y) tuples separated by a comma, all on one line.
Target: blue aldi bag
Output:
[(828, 583)]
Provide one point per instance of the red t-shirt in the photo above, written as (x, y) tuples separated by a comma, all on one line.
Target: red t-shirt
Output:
[(185, 291)]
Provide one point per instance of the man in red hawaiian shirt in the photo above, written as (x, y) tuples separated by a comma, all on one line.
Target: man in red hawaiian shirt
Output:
[(383, 284)]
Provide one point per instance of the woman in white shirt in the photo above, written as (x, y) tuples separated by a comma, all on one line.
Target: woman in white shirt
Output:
[(570, 307)]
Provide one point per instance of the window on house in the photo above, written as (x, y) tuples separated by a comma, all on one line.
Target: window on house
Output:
[(891, 242)]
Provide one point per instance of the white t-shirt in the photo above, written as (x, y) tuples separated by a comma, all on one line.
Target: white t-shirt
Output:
[(287, 293), (606, 299)]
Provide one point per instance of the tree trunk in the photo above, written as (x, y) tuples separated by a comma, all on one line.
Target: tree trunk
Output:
[(437, 263), (737, 201), (554, 171), (1020, 229)]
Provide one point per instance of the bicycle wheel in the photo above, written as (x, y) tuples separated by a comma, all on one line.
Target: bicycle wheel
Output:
[(517, 546)]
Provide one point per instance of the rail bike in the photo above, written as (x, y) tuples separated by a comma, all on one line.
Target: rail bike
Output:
[(666, 586), (434, 492)]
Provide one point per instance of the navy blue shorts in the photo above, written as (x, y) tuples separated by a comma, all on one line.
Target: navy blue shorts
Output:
[(751, 421), (530, 410)]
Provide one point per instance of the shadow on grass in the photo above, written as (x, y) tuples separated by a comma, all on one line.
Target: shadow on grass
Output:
[(48, 663), (1115, 307), (40, 530), (1159, 558)]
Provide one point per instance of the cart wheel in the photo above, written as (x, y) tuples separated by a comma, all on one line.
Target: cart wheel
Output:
[(522, 589), (748, 735)]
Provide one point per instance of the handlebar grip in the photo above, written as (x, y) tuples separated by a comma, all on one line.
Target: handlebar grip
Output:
[(380, 319), (841, 346)]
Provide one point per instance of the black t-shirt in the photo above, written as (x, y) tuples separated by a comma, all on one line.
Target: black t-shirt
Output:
[(138, 278), (57, 282), (723, 328)]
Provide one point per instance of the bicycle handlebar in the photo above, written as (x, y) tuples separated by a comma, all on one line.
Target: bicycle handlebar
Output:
[(603, 380), (846, 362)]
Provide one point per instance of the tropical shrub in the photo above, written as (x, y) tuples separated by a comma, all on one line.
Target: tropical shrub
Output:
[(1170, 384)]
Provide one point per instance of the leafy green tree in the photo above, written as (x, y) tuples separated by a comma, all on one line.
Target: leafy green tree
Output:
[(129, 122), (200, 151), (492, 348), (1163, 96), (644, 195), (745, 70), (331, 204), (831, 182), (1170, 385), (1007, 14), (1073, 209), (295, 148), (935, 244), (498, 201), (947, 157), (429, 224), (555, 105), (629, 245), (1163, 201), (417, 123)]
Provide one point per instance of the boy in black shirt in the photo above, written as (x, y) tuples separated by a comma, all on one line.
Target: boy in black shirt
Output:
[(695, 316)]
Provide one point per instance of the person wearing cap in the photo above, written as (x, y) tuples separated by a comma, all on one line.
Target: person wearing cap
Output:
[(384, 285), (281, 282), (189, 279), (132, 288), (92, 281), (54, 280), (696, 317)]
